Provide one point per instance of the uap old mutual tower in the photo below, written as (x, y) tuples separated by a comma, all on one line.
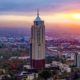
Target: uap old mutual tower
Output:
[(37, 45)]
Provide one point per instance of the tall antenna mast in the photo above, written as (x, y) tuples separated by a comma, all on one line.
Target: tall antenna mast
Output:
[(37, 12)]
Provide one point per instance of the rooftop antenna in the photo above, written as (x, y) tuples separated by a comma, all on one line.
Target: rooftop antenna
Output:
[(37, 12)]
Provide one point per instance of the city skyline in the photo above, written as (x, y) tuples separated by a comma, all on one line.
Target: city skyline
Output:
[(57, 12)]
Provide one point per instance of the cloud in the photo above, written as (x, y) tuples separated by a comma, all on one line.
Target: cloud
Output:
[(21, 5), (31, 5)]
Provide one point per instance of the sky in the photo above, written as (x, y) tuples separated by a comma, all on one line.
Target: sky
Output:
[(19, 13)]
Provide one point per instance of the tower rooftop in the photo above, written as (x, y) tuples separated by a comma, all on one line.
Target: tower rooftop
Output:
[(38, 18)]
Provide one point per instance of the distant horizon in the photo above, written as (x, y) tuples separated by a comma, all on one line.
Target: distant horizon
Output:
[(58, 15), (26, 31)]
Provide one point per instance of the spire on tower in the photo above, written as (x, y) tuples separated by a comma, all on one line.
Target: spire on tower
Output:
[(38, 17), (37, 12)]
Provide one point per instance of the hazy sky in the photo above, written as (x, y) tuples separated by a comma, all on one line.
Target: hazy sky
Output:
[(22, 12), (31, 5)]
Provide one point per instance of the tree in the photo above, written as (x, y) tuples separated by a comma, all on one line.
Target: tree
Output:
[(45, 74), (6, 78)]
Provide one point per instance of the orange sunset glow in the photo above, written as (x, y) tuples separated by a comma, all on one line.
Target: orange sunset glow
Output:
[(54, 18)]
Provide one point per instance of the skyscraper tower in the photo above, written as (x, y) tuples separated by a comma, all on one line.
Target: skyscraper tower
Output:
[(38, 43)]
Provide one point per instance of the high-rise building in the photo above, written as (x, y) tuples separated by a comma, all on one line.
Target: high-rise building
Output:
[(77, 59), (38, 43)]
